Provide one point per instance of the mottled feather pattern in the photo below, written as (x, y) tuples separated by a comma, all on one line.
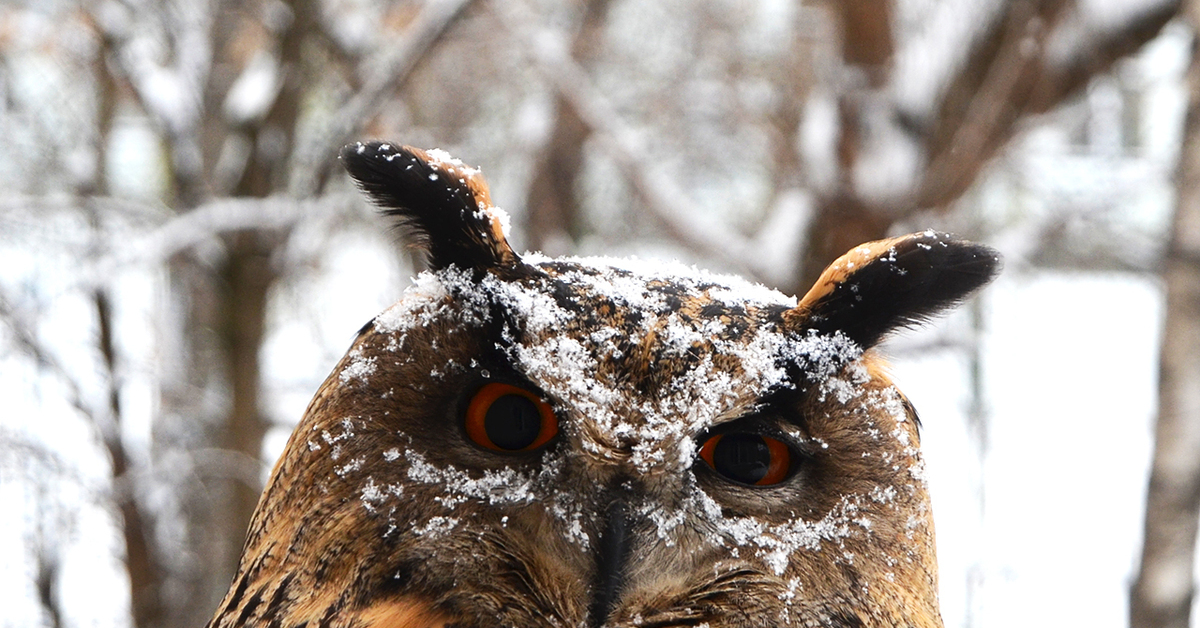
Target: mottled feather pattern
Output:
[(385, 510)]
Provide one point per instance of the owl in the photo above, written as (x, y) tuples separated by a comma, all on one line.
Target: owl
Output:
[(524, 441)]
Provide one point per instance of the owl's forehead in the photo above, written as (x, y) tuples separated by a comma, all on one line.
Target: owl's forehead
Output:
[(592, 298), (670, 300), (657, 286), (643, 352)]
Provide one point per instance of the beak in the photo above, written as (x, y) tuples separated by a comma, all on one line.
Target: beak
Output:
[(611, 558)]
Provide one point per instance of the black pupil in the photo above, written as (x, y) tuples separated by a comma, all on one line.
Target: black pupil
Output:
[(513, 422), (742, 458)]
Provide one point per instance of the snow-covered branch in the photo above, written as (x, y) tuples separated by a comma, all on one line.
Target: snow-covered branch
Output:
[(166, 234), (215, 218), (384, 75)]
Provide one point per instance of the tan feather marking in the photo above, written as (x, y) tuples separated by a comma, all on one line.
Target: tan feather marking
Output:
[(402, 613), (837, 273), (314, 606), (642, 361), (472, 179), (877, 367)]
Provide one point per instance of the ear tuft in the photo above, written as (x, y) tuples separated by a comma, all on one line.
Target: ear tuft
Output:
[(445, 202), (889, 284)]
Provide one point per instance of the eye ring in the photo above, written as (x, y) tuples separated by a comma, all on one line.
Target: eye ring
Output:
[(747, 458), (509, 419)]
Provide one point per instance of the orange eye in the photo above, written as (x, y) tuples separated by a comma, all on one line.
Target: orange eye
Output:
[(748, 458), (502, 417)]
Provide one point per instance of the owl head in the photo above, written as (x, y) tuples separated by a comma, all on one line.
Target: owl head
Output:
[(583, 442)]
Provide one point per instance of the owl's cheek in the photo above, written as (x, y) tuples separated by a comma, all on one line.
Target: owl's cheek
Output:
[(798, 497), (486, 567), (696, 575)]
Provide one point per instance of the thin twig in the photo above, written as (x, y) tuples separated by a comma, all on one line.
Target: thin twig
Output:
[(387, 73), (25, 338)]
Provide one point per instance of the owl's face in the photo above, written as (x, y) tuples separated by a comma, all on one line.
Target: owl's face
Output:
[(582, 442)]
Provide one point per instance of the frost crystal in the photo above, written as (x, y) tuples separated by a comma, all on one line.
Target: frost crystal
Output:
[(358, 367), (436, 527)]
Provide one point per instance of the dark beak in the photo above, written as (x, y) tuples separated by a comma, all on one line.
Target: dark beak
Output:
[(611, 557)]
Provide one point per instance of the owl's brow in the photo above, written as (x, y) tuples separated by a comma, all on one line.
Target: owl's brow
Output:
[(779, 403)]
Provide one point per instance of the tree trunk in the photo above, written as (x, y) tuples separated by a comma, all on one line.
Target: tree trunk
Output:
[(842, 218), (226, 311), (839, 224), (246, 279), (1162, 593), (552, 204), (137, 524)]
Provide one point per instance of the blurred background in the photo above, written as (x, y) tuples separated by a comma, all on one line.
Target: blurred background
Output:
[(182, 261)]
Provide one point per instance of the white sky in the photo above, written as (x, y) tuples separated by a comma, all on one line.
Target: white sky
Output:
[(1070, 364)]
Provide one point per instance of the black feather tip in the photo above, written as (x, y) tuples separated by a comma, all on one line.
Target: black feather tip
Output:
[(444, 202), (882, 286)]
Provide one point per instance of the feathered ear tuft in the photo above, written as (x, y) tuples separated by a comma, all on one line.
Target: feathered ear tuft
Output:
[(445, 202), (889, 284)]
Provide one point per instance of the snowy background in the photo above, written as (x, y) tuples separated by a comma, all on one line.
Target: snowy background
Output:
[(1038, 399)]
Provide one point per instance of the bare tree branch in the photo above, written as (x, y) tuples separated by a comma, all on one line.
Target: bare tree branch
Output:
[(1163, 593), (385, 75), (171, 94), (987, 97), (26, 340), (666, 202), (1008, 77), (46, 578), (137, 526), (1097, 55)]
